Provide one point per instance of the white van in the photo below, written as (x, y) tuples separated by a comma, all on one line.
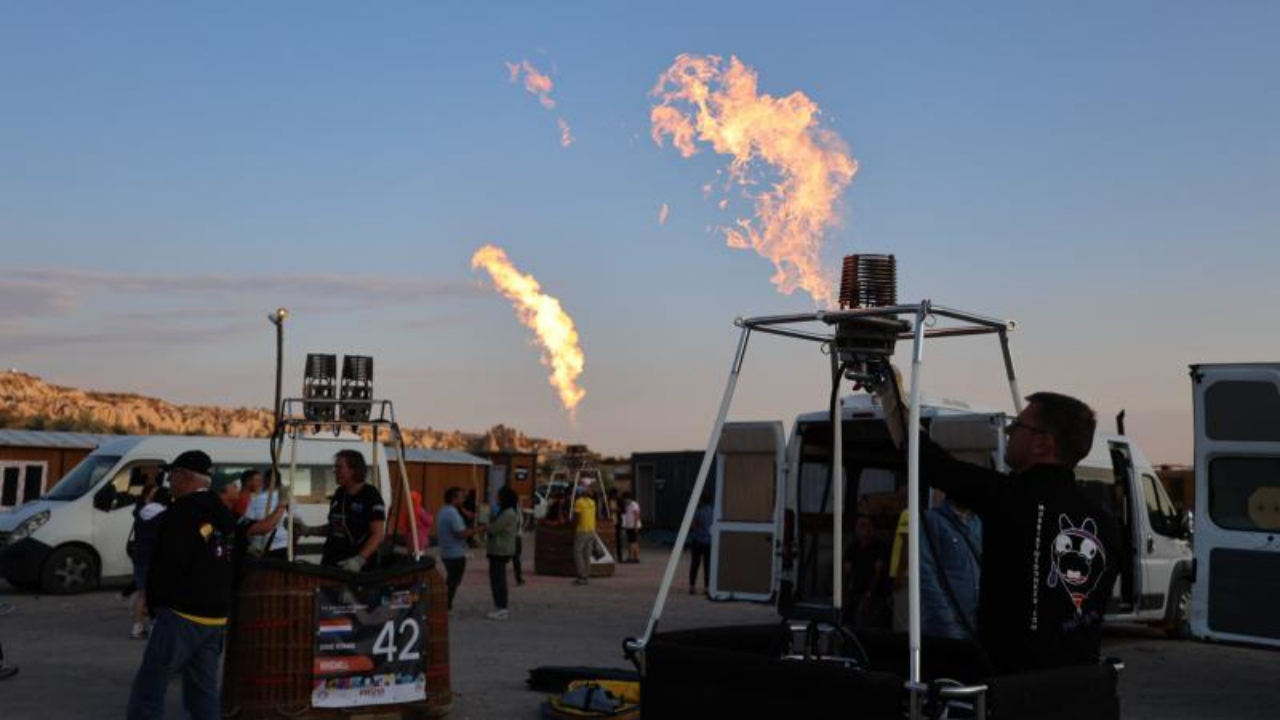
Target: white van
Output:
[(772, 539), (1237, 548), (73, 538)]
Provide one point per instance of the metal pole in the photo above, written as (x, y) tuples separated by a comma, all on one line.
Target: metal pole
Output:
[(293, 469), (913, 508), (837, 482), (712, 445), (404, 488), (1008, 369), (277, 431)]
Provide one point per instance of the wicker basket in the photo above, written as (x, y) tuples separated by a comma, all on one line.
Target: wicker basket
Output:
[(553, 550), (271, 641)]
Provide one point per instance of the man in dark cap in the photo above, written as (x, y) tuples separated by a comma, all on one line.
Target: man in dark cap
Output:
[(189, 590)]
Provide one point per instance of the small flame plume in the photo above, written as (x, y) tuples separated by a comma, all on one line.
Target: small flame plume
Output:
[(701, 99), (566, 134), (662, 215), (535, 82), (541, 313), (540, 85)]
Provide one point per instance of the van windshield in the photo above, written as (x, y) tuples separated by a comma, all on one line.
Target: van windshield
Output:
[(82, 477)]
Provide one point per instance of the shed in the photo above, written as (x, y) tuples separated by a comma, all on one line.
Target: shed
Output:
[(432, 472), (663, 484), (520, 469), (31, 461)]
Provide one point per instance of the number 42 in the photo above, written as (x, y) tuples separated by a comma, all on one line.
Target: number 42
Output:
[(386, 642)]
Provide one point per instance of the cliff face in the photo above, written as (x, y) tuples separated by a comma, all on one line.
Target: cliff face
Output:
[(26, 401)]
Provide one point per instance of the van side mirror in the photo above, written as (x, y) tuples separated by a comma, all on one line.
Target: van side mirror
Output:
[(1187, 524), (105, 499)]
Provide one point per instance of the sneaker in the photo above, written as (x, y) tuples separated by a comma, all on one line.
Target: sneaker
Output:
[(138, 631), (519, 583), (580, 581), (501, 614)]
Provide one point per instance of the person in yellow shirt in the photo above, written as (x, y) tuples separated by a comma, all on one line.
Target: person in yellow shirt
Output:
[(584, 532)]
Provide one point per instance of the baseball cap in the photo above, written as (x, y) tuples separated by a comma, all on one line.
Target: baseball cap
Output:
[(221, 481), (195, 461)]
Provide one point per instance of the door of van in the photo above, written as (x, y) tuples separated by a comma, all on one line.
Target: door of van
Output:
[(1130, 512), (1164, 550), (113, 504), (1236, 584), (750, 464)]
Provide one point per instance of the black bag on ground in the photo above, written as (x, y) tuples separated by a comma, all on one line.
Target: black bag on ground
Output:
[(556, 678)]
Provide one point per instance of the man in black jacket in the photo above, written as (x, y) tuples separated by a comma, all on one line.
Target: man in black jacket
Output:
[(1050, 554), (189, 588)]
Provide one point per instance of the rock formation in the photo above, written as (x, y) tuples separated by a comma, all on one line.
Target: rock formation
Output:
[(28, 402)]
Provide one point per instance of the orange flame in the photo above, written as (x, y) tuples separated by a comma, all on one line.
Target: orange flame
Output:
[(700, 99), (535, 82), (566, 135), (541, 313), (540, 85)]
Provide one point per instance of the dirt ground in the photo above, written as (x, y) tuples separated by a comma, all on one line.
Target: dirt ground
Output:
[(77, 662)]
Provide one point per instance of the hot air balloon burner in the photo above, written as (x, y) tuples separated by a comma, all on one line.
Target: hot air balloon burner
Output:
[(319, 387), (865, 344)]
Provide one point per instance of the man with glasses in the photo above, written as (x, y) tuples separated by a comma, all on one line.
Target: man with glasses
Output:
[(1050, 555)]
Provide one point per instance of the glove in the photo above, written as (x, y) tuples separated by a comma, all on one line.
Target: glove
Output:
[(354, 564), (888, 391)]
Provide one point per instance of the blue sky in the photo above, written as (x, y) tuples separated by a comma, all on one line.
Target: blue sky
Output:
[(1105, 173)]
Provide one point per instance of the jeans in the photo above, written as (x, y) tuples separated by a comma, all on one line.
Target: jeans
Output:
[(178, 646), (498, 580), (700, 553), (582, 544), (454, 569)]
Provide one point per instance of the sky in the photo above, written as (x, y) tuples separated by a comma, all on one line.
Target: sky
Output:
[(1105, 174)]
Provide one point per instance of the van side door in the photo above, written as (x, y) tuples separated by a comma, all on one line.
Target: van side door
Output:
[(744, 538), (1236, 583)]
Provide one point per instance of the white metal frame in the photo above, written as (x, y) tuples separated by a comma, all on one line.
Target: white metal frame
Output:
[(293, 422), (923, 315)]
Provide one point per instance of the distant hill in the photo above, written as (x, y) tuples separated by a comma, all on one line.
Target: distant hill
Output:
[(28, 402)]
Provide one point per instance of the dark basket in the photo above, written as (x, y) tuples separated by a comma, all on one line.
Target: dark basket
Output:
[(553, 549), (271, 640)]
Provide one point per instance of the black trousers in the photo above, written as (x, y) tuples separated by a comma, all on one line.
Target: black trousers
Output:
[(515, 560), (454, 569), (699, 553), (498, 580)]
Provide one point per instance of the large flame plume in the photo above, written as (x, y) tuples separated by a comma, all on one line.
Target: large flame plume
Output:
[(540, 85), (702, 99), (541, 313)]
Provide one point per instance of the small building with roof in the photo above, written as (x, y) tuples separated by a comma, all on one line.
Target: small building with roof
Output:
[(31, 461)]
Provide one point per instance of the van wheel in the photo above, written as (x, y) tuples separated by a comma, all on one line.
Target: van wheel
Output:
[(69, 570), (1177, 621)]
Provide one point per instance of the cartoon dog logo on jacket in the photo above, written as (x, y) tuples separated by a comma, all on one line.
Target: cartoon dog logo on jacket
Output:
[(1079, 560)]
